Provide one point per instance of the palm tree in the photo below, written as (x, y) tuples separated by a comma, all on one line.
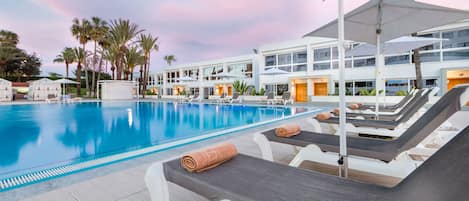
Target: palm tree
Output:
[(110, 54), (121, 32), (67, 56), (169, 59), (147, 43), (81, 31), (132, 58), (80, 57), (418, 67), (97, 34)]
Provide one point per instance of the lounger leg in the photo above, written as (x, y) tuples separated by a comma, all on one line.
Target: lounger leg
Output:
[(313, 153), (156, 183), (264, 145), (316, 126)]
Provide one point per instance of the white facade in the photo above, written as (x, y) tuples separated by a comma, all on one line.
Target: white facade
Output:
[(41, 89), (5, 90), (312, 66)]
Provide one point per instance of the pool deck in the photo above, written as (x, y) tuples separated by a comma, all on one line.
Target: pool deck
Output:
[(124, 181)]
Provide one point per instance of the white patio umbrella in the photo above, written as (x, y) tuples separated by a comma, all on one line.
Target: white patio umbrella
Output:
[(64, 82), (273, 72), (377, 21), (396, 46)]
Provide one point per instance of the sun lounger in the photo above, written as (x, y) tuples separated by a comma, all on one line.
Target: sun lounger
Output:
[(222, 98), (442, 177), (194, 98), (286, 98), (373, 155), (389, 108), (388, 128), (236, 98), (270, 98), (51, 98)]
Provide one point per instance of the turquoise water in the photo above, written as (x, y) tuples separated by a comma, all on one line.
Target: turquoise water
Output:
[(37, 137)]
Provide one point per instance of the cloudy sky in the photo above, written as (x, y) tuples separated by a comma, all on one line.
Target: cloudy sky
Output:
[(192, 30)]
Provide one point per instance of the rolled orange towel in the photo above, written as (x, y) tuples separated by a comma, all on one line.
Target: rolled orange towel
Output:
[(288, 130), (208, 158), (323, 116), (354, 106), (336, 111)]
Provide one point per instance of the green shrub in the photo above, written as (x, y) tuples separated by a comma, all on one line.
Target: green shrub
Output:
[(401, 93)]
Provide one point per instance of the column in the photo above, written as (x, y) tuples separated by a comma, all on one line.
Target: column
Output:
[(165, 83), (310, 88)]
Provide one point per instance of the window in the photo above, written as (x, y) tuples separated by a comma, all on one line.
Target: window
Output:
[(427, 83), (281, 88), (363, 62), (290, 62), (271, 60), (210, 73), (284, 59), (193, 73), (169, 91), (299, 68), (456, 55), (172, 76), (364, 87), (242, 69), (401, 59), (322, 66), (160, 79), (457, 39), (323, 54), (300, 57), (394, 86), (348, 88), (430, 57)]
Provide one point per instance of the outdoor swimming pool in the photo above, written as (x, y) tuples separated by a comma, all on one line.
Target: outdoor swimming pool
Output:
[(41, 141)]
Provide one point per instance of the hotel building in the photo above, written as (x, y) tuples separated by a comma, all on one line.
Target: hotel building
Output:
[(313, 68)]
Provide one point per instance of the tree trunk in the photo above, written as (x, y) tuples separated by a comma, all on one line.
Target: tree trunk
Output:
[(418, 68), (145, 76), (79, 79), (140, 80), (86, 72), (93, 74), (66, 69), (99, 71), (112, 70)]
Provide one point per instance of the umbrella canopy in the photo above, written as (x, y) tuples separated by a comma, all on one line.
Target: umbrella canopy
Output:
[(374, 22), (226, 75), (397, 18), (397, 46), (274, 71), (186, 79), (65, 81)]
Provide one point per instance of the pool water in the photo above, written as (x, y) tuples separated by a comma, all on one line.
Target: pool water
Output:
[(37, 137)]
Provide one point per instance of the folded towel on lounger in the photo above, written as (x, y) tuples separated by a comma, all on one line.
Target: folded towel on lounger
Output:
[(323, 116), (288, 130), (208, 158)]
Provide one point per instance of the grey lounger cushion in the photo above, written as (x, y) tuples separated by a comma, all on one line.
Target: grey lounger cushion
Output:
[(379, 149), (444, 176), (404, 115)]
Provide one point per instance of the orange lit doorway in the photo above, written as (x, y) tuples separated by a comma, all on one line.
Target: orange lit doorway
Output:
[(320, 89), (301, 92)]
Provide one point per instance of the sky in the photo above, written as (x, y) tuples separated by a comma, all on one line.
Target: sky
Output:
[(192, 30)]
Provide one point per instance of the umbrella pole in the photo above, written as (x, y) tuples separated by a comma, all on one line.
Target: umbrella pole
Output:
[(378, 81), (343, 161)]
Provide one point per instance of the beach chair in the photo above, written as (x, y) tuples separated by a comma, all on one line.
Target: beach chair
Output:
[(388, 128), (51, 98), (236, 98), (389, 157), (222, 98), (270, 98), (387, 108), (195, 98), (244, 178), (286, 98)]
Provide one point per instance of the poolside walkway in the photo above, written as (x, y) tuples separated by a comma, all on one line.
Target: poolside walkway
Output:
[(124, 181)]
